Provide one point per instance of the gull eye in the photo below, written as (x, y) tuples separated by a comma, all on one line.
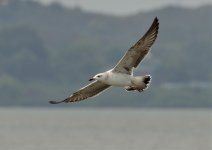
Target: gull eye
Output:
[(99, 76)]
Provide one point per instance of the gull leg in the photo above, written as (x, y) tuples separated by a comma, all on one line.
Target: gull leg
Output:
[(130, 88)]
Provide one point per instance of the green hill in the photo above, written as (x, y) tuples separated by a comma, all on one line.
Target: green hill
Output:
[(47, 52)]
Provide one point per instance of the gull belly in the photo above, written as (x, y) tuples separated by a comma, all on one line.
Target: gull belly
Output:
[(118, 79)]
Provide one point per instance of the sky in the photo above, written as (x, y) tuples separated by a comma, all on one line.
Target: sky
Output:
[(125, 7)]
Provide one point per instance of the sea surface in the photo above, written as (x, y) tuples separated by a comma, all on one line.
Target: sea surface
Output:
[(105, 129)]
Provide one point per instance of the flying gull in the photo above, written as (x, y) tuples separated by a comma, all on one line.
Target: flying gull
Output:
[(122, 74)]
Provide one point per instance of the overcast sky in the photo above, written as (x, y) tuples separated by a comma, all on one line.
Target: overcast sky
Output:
[(126, 7)]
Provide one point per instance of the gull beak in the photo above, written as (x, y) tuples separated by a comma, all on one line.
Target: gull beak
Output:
[(91, 79)]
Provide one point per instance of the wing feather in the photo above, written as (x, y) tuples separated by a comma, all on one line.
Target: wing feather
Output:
[(138, 51), (91, 90)]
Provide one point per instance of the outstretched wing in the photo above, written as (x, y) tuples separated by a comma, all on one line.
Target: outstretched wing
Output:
[(138, 51), (92, 89)]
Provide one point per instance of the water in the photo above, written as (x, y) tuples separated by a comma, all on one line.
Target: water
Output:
[(105, 129)]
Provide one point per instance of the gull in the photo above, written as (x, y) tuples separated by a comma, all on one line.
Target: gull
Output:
[(122, 74)]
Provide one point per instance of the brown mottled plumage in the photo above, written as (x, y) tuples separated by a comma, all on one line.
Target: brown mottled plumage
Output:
[(138, 51), (92, 89), (124, 69)]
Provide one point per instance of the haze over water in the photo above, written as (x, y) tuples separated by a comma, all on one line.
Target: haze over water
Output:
[(104, 129)]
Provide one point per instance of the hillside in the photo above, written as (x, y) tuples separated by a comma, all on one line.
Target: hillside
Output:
[(47, 52)]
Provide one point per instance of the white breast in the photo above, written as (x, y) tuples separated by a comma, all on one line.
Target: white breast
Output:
[(118, 79)]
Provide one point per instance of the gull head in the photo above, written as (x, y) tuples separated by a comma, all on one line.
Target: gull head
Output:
[(99, 77)]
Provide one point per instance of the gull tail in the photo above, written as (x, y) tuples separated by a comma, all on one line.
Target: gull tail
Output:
[(142, 85), (147, 79)]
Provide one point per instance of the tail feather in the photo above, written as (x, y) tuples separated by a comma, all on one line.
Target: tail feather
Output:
[(143, 86), (147, 79)]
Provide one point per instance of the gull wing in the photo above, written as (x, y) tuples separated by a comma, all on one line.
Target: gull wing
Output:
[(91, 90), (137, 52)]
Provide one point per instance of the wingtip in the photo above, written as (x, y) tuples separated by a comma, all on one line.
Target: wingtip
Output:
[(156, 23), (56, 102), (156, 19)]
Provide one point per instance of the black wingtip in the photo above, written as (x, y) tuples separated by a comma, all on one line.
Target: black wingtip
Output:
[(56, 102), (155, 24), (156, 21)]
